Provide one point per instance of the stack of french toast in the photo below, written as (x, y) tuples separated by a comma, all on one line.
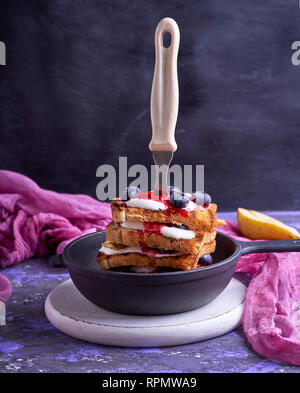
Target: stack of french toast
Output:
[(150, 233)]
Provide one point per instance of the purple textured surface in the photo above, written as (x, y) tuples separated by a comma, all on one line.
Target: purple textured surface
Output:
[(29, 343)]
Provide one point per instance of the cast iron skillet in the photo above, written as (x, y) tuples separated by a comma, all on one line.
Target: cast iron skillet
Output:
[(163, 293)]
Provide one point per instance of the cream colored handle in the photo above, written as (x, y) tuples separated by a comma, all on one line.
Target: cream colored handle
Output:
[(164, 94)]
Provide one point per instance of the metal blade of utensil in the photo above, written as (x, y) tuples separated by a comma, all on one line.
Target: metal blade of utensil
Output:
[(162, 161)]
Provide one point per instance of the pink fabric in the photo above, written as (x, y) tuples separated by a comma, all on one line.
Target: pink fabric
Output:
[(271, 319), (36, 222), (5, 288)]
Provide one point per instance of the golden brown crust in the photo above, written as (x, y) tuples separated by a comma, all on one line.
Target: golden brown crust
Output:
[(130, 237), (204, 220), (184, 262)]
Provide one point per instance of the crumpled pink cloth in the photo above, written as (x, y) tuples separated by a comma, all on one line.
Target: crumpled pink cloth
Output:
[(5, 288), (271, 318), (36, 222)]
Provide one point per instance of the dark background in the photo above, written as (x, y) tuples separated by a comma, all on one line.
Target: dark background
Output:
[(75, 93)]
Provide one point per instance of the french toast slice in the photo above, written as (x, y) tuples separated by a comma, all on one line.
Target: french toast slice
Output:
[(204, 219), (181, 261), (129, 237)]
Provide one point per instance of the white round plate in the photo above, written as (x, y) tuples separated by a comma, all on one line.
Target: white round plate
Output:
[(73, 314)]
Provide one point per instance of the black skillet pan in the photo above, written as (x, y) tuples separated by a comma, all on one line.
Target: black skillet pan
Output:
[(161, 293)]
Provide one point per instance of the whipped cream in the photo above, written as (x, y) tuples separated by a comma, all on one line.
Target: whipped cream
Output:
[(191, 206), (149, 204), (126, 250), (177, 233), (167, 231)]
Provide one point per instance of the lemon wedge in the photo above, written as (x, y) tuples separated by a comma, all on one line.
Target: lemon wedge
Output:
[(221, 222), (256, 225)]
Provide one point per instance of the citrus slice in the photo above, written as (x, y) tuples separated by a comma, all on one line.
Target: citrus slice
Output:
[(221, 222), (256, 225)]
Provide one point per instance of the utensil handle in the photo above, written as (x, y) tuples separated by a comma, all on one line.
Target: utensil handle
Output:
[(56, 261), (164, 93), (270, 246)]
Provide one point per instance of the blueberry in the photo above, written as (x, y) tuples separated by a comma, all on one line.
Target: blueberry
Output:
[(130, 193), (178, 199), (198, 198), (163, 251), (206, 260), (207, 199), (182, 226), (201, 198), (173, 189)]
